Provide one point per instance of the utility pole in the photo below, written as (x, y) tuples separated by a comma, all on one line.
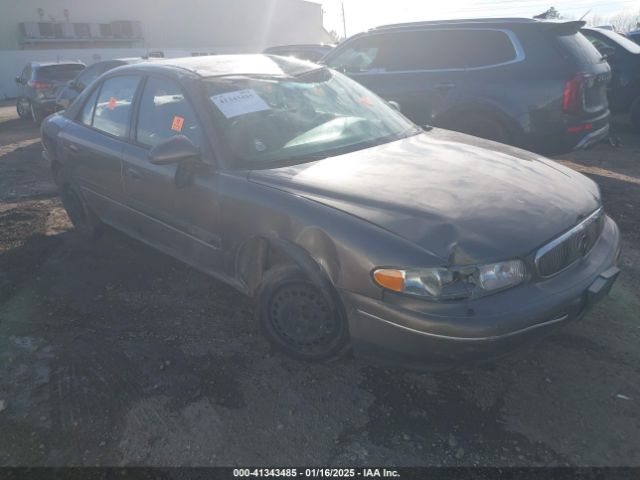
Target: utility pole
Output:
[(344, 22)]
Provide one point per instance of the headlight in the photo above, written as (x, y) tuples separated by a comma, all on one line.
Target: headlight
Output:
[(452, 283), (501, 275)]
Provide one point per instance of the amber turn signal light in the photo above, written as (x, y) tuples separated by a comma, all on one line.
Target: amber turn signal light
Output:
[(390, 279)]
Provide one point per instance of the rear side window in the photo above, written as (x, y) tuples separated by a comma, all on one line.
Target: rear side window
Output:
[(421, 50), (164, 113), (428, 50), (483, 48), (113, 107), (61, 73), (578, 47), (446, 49)]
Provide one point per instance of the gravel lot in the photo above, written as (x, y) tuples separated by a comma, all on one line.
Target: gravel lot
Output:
[(113, 354)]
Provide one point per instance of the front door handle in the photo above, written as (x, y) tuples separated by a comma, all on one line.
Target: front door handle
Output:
[(74, 148), (134, 174)]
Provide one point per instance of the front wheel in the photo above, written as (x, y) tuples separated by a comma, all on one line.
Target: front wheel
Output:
[(299, 318)]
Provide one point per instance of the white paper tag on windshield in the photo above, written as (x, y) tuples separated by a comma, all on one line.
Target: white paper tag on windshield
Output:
[(241, 102)]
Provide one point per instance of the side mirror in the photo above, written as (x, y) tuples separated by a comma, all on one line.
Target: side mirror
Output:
[(19, 79), (394, 105), (175, 150)]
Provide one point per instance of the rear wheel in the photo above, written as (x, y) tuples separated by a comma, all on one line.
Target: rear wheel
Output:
[(86, 223), (299, 318), (483, 126), (23, 107)]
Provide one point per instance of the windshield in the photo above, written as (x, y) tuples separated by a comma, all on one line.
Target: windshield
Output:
[(621, 40), (268, 119)]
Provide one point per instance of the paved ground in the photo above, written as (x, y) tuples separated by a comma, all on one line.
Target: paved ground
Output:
[(113, 354)]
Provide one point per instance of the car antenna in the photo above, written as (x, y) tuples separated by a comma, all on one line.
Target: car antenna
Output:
[(588, 12)]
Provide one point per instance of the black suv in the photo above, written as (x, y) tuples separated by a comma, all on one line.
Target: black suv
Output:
[(535, 84), (624, 57)]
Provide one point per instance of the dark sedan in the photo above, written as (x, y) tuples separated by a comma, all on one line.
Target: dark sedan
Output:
[(348, 225), (74, 87)]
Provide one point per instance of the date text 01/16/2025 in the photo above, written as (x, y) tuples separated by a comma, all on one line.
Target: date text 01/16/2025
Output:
[(315, 473)]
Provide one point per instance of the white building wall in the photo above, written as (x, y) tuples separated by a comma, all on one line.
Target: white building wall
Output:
[(177, 27)]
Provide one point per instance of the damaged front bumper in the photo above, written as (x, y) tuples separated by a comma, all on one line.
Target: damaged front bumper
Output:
[(413, 332)]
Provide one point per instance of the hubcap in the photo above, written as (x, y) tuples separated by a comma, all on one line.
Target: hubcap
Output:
[(23, 107), (302, 318)]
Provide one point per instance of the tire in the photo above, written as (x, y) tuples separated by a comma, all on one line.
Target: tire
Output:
[(483, 126), (635, 114), (299, 318), (23, 107), (86, 223), (36, 115)]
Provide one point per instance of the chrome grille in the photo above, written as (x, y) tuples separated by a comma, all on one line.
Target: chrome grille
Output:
[(570, 247)]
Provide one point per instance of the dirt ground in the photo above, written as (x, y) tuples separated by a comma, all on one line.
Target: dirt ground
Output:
[(113, 354)]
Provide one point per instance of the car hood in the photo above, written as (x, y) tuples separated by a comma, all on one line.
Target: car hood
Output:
[(461, 198)]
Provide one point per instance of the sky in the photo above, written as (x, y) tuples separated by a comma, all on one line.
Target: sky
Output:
[(364, 14)]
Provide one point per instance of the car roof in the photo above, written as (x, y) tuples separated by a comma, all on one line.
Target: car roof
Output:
[(310, 46), (123, 61), (48, 64), (225, 65), (470, 21)]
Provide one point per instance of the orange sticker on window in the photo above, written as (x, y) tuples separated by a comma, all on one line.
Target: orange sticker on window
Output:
[(177, 124), (366, 101), (112, 103)]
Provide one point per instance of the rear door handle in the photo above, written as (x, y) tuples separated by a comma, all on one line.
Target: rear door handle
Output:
[(74, 148), (134, 174)]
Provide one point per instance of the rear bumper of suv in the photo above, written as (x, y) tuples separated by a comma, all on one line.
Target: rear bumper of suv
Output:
[(576, 134), (397, 333), (593, 138), (45, 105)]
